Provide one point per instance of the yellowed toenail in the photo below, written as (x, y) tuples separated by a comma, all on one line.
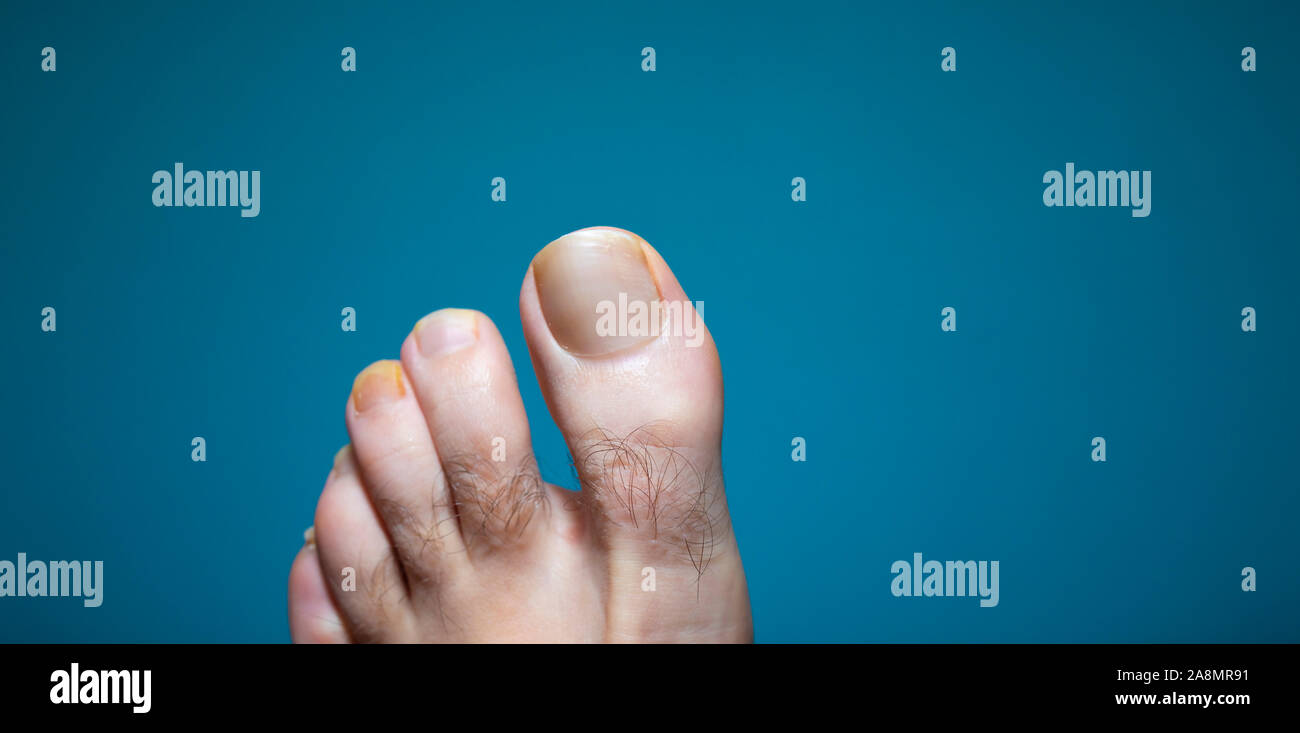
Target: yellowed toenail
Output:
[(309, 537), (378, 384), (343, 461)]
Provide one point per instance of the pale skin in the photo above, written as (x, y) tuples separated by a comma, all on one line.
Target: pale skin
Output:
[(436, 511)]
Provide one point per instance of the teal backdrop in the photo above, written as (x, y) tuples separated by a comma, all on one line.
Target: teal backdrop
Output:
[(924, 191)]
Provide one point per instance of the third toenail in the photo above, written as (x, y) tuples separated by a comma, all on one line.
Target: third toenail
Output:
[(445, 331), (587, 281), (378, 384)]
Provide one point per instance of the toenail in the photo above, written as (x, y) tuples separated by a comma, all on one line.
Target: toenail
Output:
[(378, 384), (587, 282), (309, 536), (343, 460), (445, 331)]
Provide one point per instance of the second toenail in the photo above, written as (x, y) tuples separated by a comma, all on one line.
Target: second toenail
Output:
[(378, 384), (588, 282), (445, 331)]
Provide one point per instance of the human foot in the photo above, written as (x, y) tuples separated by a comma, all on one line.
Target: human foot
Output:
[(434, 524)]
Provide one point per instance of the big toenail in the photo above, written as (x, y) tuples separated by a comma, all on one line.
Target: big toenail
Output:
[(596, 291), (378, 384), (445, 331)]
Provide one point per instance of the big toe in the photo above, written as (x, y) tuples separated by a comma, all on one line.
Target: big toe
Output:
[(632, 377)]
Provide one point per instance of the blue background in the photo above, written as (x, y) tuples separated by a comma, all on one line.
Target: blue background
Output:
[(924, 191)]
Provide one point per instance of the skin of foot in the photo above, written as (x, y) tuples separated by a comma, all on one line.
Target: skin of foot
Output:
[(434, 524)]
